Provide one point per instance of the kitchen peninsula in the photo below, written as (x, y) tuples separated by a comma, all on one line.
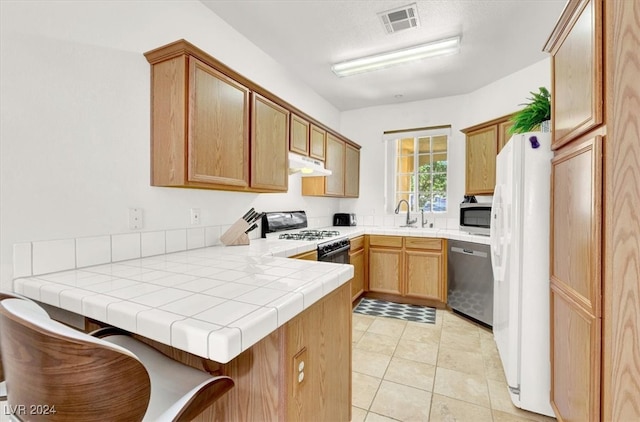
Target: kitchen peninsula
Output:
[(249, 312), (237, 311)]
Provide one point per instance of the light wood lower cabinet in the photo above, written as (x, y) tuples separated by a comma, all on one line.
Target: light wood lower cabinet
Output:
[(357, 259), (385, 270), (266, 375), (576, 352), (309, 256), (408, 267)]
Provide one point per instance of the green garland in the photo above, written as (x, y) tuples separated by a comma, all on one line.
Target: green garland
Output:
[(535, 112)]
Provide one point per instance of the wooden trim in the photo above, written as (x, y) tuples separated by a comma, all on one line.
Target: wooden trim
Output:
[(492, 122), (415, 129), (621, 250), (568, 18), (357, 243), (385, 241)]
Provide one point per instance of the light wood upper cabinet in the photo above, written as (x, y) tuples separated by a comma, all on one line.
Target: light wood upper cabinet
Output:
[(212, 128), (483, 143), (481, 161), (208, 145), (503, 134), (343, 159), (318, 141), (269, 145), (299, 141), (577, 77), (334, 184), (352, 172)]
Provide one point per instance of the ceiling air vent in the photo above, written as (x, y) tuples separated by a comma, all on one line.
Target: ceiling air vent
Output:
[(401, 18)]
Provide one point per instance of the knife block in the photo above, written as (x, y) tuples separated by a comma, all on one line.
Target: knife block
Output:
[(236, 235)]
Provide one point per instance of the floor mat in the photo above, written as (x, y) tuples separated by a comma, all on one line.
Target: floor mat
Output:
[(376, 307)]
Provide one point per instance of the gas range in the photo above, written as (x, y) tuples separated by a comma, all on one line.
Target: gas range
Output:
[(333, 247), (310, 235)]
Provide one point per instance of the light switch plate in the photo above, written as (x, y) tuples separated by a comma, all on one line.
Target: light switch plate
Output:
[(135, 218), (195, 216)]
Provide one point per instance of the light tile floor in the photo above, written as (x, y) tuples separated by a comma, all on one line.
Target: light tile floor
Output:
[(447, 371)]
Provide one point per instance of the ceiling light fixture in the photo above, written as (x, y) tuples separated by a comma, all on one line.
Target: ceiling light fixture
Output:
[(392, 58)]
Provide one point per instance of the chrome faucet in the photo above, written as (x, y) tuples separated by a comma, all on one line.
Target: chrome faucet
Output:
[(409, 221)]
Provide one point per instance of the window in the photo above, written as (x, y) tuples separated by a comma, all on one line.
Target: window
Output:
[(421, 170)]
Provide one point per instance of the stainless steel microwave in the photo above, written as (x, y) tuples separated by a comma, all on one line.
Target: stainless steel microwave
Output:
[(475, 218)]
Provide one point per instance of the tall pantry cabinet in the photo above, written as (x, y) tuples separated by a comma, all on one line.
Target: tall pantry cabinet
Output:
[(595, 212)]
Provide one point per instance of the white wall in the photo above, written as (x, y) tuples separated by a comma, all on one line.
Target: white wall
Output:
[(366, 127), (75, 116), (74, 129)]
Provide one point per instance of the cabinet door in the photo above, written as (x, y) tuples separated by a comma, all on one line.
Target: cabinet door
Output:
[(423, 274), (385, 270), (218, 138), (299, 141), (576, 290), (481, 161), (356, 259), (318, 140), (269, 145), (334, 184), (577, 104), (352, 172), (503, 134), (576, 182), (575, 360)]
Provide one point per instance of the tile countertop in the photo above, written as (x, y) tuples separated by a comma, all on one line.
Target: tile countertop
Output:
[(213, 302)]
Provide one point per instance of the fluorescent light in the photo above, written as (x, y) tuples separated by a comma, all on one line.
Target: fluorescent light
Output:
[(392, 58)]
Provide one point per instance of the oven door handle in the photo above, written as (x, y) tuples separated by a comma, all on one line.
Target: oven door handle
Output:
[(333, 253)]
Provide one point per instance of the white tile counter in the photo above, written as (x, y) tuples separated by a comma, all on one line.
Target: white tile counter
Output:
[(213, 302), (414, 231)]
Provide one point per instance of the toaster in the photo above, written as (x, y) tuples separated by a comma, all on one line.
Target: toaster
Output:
[(344, 219)]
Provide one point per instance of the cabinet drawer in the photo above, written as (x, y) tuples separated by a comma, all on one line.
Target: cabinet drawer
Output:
[(390, 241), (423, 243), (357, 243)]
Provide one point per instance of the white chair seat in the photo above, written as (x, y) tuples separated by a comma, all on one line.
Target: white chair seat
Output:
[(172, 383)]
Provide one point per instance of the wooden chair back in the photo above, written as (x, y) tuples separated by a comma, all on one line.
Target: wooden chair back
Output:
[(51, 367)]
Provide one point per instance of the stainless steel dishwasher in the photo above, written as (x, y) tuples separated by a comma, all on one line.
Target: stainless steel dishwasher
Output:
[(470, 280)]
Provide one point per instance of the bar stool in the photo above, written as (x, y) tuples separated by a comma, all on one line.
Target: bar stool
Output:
[(56, 373), (10, 295)]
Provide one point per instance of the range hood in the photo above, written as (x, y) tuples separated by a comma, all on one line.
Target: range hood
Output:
[(306, 166)]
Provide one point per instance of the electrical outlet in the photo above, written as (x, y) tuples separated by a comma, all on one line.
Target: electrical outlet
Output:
[(135, 218), (300, 367), (195, 216)]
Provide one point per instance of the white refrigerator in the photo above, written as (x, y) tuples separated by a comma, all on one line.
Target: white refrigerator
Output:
[(520, 259)]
